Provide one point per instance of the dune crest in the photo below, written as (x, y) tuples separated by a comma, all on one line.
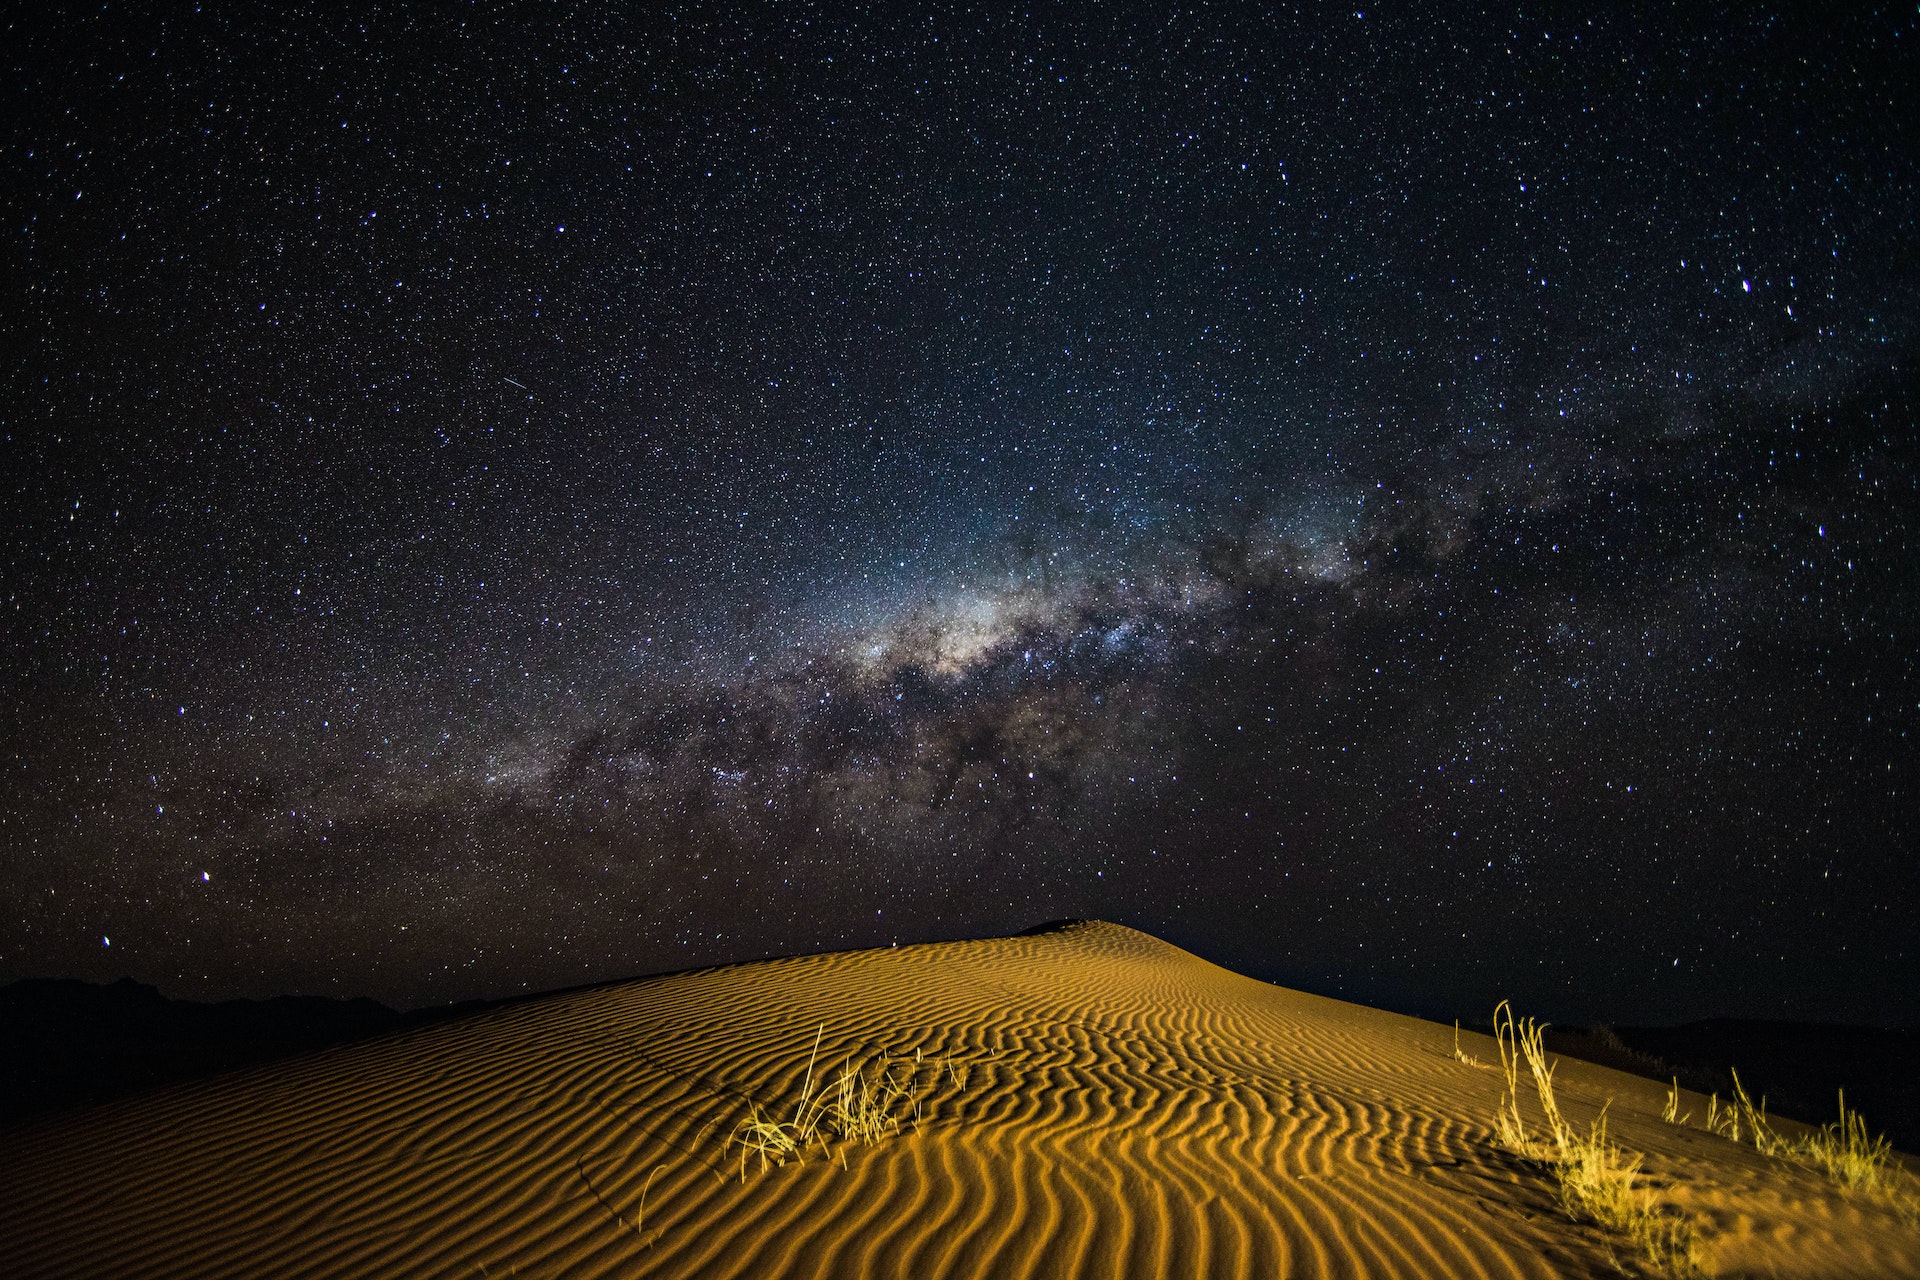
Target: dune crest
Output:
[(1119, 1108)]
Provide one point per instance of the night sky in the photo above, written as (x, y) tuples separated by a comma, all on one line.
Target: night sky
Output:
[(1415, 503)]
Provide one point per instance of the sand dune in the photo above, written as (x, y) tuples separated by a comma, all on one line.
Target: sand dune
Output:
[(1128, 1110)]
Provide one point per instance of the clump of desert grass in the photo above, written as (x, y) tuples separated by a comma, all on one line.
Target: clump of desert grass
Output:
[(1742, 1121), (1861, 1162), (1671, 1112), (866, 1103), (1598, 1181), (1460, 1055), (1852, 1157), (773, 1140)]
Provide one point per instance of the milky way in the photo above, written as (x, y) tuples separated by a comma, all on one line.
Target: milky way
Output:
[(1419, 509)]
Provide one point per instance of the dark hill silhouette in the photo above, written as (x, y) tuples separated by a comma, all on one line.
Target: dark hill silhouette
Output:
[(65, 1043), (1799, 1066)]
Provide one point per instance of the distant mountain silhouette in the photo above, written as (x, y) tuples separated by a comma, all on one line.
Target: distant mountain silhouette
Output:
[(65, 1043)]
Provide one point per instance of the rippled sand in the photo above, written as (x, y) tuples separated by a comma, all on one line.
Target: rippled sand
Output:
[(1128, 1110)]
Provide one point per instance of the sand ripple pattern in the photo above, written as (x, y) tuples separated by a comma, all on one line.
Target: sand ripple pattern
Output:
[(1129, 1110)]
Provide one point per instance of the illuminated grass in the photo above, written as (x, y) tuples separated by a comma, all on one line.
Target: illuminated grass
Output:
[(1742, 1121), (1851, 1157), (774, 1141), (1520, 1043), (1859, 1162), (866, 1103), (1597, 1179), (1672, 1112), (1669, 1244), (1461, 1055)]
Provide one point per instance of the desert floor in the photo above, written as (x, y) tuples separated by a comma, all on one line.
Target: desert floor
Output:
[(1092, 1102)]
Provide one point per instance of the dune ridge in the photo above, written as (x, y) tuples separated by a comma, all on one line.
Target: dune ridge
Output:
[(1129, 1110)]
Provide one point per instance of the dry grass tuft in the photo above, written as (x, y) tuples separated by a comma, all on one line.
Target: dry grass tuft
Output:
[(1851, 1158), (1861, 1163), (1509, 1125), (1597, 1179), (1522, 1043), (866, 1103), (1669, 1244), (1671, 1114), (863, 1109), (1759, 1130), (1743, 1121), (774, 1141), (1461, 1055)]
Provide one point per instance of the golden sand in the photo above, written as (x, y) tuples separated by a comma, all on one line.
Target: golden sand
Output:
[(1127, 1110)]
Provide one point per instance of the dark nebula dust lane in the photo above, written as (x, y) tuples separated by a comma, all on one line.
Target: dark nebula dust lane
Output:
[(1421, 507)]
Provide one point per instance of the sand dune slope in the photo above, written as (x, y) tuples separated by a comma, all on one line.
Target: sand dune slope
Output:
[(1127, 1110)]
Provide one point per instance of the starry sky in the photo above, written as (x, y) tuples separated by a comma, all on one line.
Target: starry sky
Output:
[(1419, 503)]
